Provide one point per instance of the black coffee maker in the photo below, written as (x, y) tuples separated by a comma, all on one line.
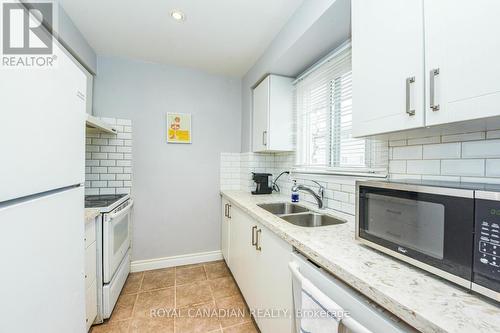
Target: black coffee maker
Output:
[(262, 181)]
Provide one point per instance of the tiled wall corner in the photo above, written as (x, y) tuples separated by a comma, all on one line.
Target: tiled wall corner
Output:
[(254, 162), (108, 166), (230, 171), (339, 193), (467, 157)]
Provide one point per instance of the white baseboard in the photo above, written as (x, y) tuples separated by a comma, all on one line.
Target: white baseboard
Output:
[(185, 259)]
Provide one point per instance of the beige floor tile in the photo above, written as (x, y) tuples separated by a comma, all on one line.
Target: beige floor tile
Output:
[(152, 325), (148, 302), (123, 308), (190, 265), (199, 287), (133, 283), (189, 274), (201, 318), (216, 270), (236, 311), (224, 287), (194, 293), (109, 327), (157, 279), (243, 328)]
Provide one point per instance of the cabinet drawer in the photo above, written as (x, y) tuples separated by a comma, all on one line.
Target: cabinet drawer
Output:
[(89, 233), (91, 304), (90, 264)]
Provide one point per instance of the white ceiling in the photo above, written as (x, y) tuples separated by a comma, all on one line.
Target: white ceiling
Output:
[(219, 36)]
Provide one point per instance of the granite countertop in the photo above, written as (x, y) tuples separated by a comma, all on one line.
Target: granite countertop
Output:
[(91, 213), (424, 301)]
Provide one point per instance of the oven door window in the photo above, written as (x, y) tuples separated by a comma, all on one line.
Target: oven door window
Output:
[(120, 233), (413, 224)]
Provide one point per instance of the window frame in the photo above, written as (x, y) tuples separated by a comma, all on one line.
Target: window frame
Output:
[(362, 171)]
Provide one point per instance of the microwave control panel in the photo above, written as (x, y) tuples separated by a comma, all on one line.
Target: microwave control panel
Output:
[(487, 239)]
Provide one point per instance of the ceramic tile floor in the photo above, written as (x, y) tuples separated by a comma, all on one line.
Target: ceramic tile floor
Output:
[(177, 300)]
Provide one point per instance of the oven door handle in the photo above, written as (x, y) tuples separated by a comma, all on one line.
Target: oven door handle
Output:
[(122, 212)]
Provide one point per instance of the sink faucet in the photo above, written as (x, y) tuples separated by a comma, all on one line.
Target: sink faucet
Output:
[(318, 196)]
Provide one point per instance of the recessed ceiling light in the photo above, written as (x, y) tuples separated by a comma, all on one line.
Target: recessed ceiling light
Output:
[(178, 15)]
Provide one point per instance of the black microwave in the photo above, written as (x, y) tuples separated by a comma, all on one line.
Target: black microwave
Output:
[(449, 229)]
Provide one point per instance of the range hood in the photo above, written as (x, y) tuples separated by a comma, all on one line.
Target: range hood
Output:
[(94, 122)]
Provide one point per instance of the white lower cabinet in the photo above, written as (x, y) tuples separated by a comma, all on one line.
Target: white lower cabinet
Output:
[(258, 260), (90, 273), (273, 281), (91, 304), (225, 227), (90, 265)]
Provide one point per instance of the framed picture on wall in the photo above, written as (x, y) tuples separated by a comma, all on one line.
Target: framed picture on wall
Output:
[(178, 127)]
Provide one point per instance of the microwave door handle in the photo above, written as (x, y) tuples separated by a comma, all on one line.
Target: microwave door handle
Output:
[(122, 212)]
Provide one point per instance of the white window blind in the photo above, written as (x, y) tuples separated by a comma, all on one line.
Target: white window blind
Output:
[(324, 120)]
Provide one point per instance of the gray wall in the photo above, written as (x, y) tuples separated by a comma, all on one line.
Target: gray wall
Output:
[(69, 35), (316, 28), (175, 186)]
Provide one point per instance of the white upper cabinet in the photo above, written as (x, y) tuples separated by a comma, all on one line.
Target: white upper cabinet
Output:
[(387, 66), (273, 114), (462, 60), (393, 41)]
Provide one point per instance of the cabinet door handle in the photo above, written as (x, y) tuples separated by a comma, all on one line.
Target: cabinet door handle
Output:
[(264, 138), (253, 235), (432, 87), (409, 81), (229, 211), (80, 95), (225, 210), (257, 242)]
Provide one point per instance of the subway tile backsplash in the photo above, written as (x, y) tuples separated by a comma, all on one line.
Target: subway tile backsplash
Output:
[(467, 157), (108, 166)]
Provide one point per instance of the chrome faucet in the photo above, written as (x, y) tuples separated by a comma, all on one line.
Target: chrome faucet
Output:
[(318, 196)]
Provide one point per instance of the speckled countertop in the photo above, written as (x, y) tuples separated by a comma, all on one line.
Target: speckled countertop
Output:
[(91, 213), (424, 301)]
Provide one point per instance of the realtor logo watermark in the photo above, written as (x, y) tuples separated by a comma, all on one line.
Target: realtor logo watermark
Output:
[(26, 42)]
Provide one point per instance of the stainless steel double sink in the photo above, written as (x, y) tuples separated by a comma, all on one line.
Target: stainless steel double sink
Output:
[(300, 215)]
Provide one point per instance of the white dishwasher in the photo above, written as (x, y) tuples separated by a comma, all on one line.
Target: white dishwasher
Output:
[(364, 315)]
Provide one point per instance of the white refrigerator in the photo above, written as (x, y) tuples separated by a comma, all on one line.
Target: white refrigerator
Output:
[(42, 161)]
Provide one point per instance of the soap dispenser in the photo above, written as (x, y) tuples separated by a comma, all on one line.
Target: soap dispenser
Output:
[(295, 192)]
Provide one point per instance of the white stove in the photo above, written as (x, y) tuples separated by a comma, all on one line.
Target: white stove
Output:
[(113, 248), (105, 203)]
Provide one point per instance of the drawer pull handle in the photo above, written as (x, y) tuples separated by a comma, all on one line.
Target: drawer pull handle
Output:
[(257, 242), (254, 243)]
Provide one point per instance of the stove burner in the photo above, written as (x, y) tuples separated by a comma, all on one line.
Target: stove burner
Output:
[(100, 201)]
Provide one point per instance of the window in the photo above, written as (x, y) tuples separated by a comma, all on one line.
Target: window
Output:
[(324, 121)]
